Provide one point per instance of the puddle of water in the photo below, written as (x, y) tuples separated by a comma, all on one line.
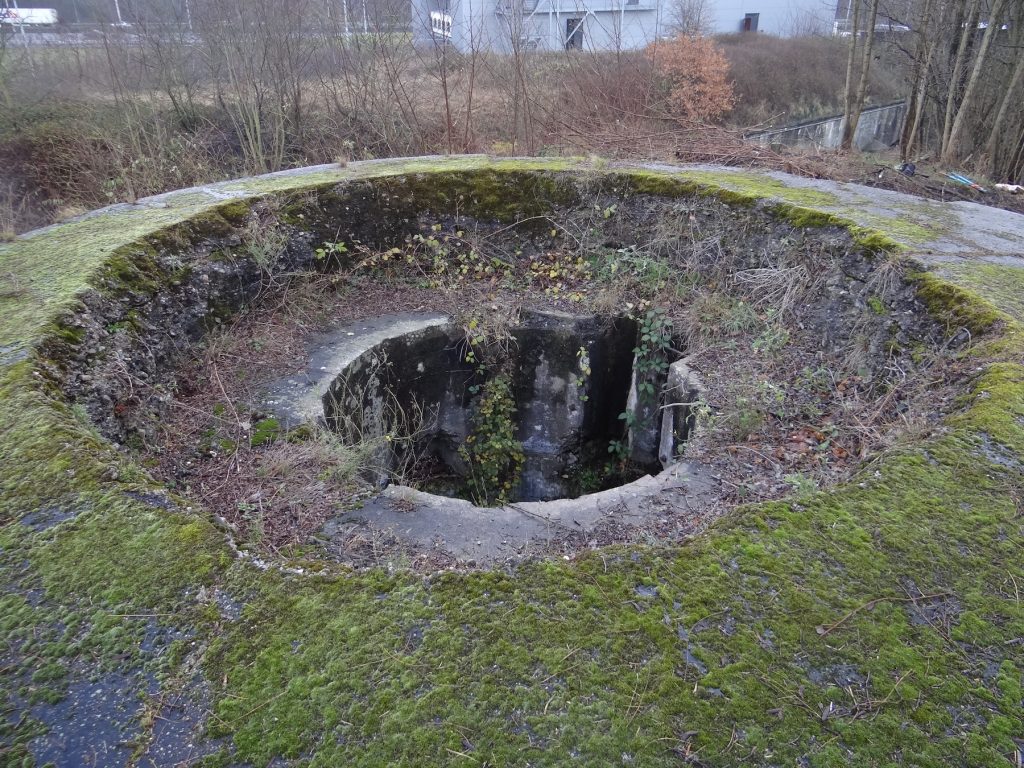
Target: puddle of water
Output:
[(176, 731), (12, 353)]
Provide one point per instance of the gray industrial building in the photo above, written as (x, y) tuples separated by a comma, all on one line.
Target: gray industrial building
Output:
[(550, 25)]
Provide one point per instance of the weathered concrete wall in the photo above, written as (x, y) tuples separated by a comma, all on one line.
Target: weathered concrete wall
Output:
[(570, 377), (878, 128)]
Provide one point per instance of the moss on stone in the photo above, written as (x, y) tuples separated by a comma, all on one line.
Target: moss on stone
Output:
[(130, 269), (800, 216), (876, 305), (265, 431), (235, 213), (908, 225), (761, 186), (506, 195), (1000, 284), (873, 240), (654, 184), (957, 306), (64, 334)]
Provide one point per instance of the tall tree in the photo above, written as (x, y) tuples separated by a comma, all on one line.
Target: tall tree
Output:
[(927, 41), (851, 60), (951, 149), (1009, 99), (854, 98), (967, 23)]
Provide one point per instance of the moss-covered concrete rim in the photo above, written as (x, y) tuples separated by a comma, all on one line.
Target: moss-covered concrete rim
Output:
[(878, 623), (51, 265)]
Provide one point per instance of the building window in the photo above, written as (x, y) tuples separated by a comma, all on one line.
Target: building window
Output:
[(441, 24), (750, 22), (573, 34)]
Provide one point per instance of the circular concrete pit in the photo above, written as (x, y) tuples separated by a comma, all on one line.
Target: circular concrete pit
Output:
[(613, 308)]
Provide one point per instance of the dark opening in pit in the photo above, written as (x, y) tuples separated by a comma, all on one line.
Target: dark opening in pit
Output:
[(551, 407)]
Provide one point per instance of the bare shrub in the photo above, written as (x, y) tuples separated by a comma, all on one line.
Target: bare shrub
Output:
[(689, 17), (596, 88), (89, 155), (260, 56), (9, 212)]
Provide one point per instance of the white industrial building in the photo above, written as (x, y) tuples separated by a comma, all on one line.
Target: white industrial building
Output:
[(771, 17), (600, 25), (507, 25)]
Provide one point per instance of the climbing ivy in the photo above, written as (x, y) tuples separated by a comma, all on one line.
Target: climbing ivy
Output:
[(653, 350), (494, 456)]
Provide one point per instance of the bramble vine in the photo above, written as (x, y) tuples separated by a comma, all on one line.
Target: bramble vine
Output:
[(653, 350), (442, 259), (454, 260)]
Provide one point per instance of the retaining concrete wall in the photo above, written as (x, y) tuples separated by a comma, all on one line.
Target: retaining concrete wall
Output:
[(878, 128)]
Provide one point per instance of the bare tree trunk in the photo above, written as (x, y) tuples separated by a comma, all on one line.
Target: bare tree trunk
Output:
[(992, 145), (931, 33), (951, 150), (911, 122), (1016, 167), (448, 123), (851, 58), (7, 62), (968, 32), (468, 132), (854, 110)]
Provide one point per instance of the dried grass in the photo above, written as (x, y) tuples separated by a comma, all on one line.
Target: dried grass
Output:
[(777, 288)]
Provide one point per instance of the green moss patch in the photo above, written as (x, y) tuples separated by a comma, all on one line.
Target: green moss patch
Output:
[(858, 624), (1001, 285), (757, 186)]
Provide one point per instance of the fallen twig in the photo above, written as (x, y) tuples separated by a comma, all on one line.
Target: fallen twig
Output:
[(824, 630)]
